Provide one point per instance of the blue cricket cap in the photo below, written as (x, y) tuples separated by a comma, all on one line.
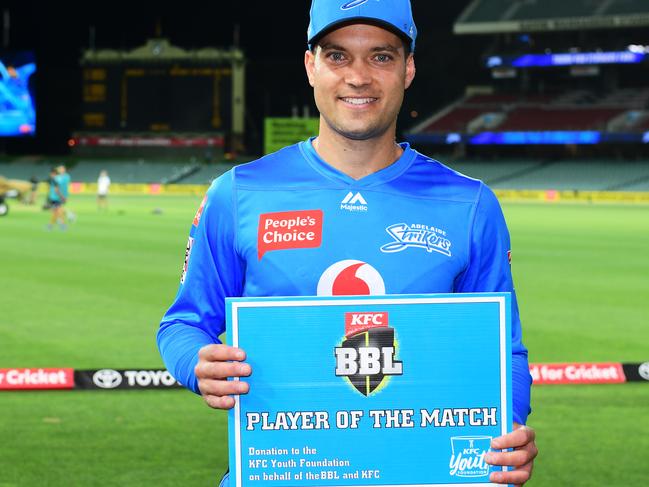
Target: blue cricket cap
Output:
[(394, 15)]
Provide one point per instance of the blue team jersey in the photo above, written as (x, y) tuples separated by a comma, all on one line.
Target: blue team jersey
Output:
[(289, 224), (64, 184), (52, 194)]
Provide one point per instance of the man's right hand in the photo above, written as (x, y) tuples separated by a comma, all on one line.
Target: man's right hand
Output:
[(215, 364)]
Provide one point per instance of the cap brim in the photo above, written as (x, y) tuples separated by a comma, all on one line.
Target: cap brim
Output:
[(359, 20)]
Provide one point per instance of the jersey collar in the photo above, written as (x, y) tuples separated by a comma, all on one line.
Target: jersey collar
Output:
[(386, 174)]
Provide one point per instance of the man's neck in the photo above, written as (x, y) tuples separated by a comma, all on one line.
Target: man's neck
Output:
[(357, 158)]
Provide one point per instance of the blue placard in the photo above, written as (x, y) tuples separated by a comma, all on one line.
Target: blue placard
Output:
[(369, 391)]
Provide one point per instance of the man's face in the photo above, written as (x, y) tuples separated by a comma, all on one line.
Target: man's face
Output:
[(359, 73)]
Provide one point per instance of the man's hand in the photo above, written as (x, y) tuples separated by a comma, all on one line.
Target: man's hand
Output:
[(215, 364), (522, 458)]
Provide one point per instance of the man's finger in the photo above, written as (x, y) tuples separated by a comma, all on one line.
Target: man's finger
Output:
[(221, 370), (221, 353), (516, 477), (219, 402), (517, 438), (514, 458), (222, 387)]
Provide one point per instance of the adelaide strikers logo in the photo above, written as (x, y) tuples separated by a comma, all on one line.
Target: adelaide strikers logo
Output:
[(366, 356), (350, 277)]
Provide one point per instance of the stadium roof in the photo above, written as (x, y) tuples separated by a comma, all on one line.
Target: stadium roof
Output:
[(160, 50), (501, 16)]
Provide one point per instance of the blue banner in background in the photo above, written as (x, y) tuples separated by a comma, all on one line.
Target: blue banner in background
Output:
[(351, 391)]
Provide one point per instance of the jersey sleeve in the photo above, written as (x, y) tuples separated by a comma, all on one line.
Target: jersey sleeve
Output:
[(489, 270), (212, 271)]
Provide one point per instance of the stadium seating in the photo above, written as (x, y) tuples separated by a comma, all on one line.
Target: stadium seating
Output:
[(570, 110), (456, 120), (583, 175), (542, 119)]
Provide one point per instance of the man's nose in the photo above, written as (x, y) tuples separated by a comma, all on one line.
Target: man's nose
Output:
[(358, 74)]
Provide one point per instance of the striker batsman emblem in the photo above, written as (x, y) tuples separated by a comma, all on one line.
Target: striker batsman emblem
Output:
[(367, 354)]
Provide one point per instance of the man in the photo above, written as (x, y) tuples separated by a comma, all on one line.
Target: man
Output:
[(103, 185), (64, 185), (369, 216), (55, 201)]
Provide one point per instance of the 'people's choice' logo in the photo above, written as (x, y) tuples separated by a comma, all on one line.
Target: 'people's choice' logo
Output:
[(366, 356), (350, 277)]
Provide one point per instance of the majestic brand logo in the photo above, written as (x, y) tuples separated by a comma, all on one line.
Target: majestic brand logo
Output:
[(354, 202), (188, 253), (467, 458), (289, 230), (199, 213), (366, 356), (352, 4), (417, 236), (107, 378), (350, 277)]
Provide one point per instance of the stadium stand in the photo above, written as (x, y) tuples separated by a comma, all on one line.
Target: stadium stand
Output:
[(571, 110), (484, 16), (573, 118), (87, 171), (583, 175)]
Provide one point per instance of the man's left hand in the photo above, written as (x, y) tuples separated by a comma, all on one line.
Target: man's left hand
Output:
[(521, 440)]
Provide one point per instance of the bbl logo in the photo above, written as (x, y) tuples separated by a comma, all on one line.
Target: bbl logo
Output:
[(367, 354)]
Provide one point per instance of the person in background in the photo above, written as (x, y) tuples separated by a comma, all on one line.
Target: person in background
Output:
[(55, 201), (103, 185), (31, 199), (64, 186)]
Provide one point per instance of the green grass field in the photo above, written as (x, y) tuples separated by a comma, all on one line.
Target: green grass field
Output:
[(92, 297)]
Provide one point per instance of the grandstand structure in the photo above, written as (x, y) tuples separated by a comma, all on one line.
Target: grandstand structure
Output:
[(122, 171), (572, 74), (502, 16), (161, 100)]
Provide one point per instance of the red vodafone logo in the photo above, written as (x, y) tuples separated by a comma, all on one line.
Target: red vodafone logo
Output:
[(349, 278)]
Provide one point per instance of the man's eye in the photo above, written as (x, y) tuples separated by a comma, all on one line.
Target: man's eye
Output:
[(383, 58), (337, 57)]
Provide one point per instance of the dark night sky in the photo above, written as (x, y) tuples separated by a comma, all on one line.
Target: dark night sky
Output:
[(272, 35)]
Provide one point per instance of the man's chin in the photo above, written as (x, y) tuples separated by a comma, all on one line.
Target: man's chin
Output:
[(361, 134)]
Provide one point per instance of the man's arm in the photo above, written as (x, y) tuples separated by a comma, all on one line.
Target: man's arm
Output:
[(188, 337), (489, 270)]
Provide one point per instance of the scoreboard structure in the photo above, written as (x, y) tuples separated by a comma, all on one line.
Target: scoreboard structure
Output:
[(161, 91)]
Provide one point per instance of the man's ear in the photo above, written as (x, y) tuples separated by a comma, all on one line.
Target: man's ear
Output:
[(411, 70), (309, 65)]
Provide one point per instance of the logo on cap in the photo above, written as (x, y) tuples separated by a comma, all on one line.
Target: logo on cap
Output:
[(352, 4)]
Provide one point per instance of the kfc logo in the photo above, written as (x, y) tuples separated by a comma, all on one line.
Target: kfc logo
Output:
[(366, 356), (359, 322)]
